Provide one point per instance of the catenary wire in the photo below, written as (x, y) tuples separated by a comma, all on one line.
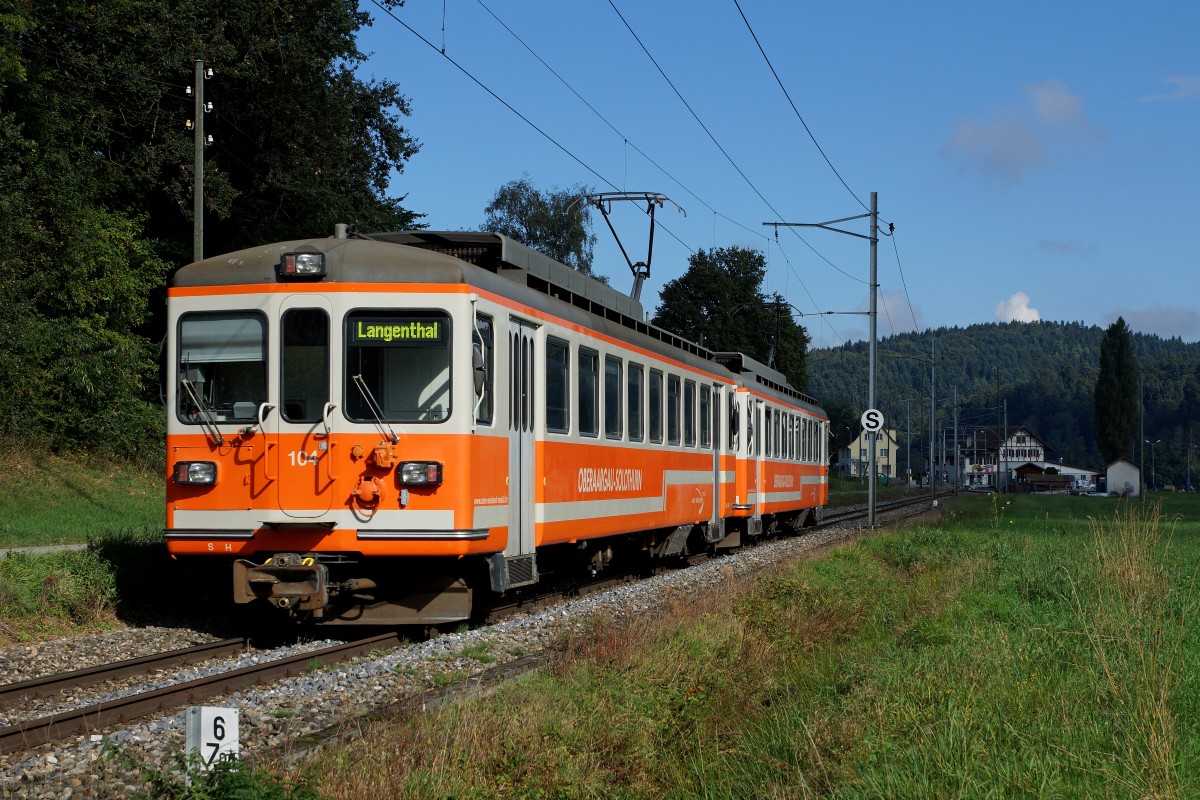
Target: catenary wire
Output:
[(511, 108), (718, 145), (629, 143)]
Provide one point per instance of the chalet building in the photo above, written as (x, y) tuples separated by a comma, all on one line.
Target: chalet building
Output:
[(990, 459), (886, 453)]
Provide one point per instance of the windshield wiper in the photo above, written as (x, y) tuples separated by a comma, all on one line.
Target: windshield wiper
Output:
[(207, 421), (373, 407)]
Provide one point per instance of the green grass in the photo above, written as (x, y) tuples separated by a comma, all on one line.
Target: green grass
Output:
[(1024, 646), (47, 499)]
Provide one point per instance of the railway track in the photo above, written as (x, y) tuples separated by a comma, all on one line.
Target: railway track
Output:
[(83, 721), (51, 685), (546, 598)]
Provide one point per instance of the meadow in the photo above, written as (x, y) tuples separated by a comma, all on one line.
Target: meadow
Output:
[(1015, 646), (113, 515), (50, 500)]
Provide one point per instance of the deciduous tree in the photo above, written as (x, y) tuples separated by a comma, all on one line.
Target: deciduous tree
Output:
[(553, 222), (96, 181), (719, 302)]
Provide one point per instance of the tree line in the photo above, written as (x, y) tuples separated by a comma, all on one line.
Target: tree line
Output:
[(97, 179), (1059, 379), (96, 182)]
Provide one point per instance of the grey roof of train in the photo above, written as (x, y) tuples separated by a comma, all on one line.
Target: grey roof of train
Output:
[(494, 262)]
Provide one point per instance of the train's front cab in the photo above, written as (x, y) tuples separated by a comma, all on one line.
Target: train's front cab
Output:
[(323, 427)]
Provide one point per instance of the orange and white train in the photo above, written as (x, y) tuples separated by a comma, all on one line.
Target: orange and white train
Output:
[(378, 429)]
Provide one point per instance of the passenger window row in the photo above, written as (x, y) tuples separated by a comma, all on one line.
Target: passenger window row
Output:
[(633, 400)]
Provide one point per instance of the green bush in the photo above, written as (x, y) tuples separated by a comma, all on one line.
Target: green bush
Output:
[(77, 586), (227, 779)]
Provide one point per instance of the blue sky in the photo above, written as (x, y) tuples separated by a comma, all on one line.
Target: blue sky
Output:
[(1038, 160)]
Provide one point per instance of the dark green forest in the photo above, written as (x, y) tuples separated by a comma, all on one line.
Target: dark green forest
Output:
[(96, 194), (1045, 371), (96, 183)]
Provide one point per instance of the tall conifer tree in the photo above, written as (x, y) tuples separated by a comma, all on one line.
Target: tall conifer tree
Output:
[(1117, 406)]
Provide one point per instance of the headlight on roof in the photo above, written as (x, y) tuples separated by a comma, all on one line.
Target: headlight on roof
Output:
[(301, 265), (195, 472)]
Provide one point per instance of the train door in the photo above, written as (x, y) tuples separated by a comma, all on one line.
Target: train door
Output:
[(299, 416), (755, 439), (522, 471), (715, 406)]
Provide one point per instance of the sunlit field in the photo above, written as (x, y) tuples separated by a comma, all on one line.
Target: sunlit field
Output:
[(1017, 646)]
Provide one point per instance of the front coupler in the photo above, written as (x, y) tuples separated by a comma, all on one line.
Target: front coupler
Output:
[(286, 580)]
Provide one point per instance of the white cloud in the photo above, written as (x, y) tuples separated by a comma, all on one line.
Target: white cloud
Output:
[(1165, 321), (1055, 104), (896, 315), (1000, 148), (1021, 137), (1065, 247), (1017, 309), (1185, 86)]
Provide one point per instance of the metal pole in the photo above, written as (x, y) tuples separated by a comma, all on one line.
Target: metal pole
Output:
[(198, 166), (932, 419), (957, 466), (908, 447), (871, 379)]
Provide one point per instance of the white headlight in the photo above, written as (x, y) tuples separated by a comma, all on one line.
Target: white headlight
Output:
[(420, 473), (202, 472)]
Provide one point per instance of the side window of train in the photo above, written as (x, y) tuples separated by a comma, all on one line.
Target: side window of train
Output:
[(222, 366), (634, 402), (734, 423), (705, 417), (482, 361), (558, 415), (689, 413), (770, 448), (589, 392), (672, 409), (655, 406), (751, 437), (304, 369), (612, 397), (779, 433)]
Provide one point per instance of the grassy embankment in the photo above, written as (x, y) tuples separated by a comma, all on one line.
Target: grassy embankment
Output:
[(1040, 649), (116, 509)]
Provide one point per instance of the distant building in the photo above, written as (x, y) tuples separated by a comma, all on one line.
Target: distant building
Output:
[(886, 461), (988, 454), (1123, 478)]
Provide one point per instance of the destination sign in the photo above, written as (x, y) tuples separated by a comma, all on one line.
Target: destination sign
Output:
[(407, 332)]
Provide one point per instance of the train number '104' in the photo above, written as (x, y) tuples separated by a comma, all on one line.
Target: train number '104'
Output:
[(299, 458)]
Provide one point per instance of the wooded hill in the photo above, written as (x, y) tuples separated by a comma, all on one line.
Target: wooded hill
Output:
[(1046, 371)]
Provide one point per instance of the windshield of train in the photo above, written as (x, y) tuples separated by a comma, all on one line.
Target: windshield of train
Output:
[(222, 367), (403, 358)]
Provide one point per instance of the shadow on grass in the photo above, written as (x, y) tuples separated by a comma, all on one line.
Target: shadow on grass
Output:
[(153, 588)]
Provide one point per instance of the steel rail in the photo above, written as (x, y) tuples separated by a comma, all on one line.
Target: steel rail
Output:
[(49, 685), (83, 721)]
